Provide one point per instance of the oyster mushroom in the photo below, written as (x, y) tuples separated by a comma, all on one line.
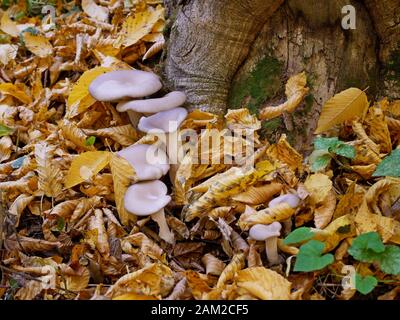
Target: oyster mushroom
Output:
[(149, 162), (269, 234), (123, 84), (169, 101), (291, 199), (149, 199), (165, 124)]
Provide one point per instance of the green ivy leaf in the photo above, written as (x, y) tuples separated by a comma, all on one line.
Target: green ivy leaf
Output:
[(321, 143), (367, 247), (310, 257), (5, 131), (321, 161), (345, 150), (389, 260), (366, 284), (298, 235), (390, 166), (90, 141), (13, 283)]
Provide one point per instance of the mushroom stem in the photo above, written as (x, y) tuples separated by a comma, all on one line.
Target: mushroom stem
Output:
[(271, 249), (164, 232)]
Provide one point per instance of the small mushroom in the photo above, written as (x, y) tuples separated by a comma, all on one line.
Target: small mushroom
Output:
[(149, 199), (164, 121), (149, 162), (122, 84), (291, 199), (269, 234), (169, 101)]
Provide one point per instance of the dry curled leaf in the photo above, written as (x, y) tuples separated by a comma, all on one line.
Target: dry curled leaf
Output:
[(123, 176), (263, 283), (295, 92)]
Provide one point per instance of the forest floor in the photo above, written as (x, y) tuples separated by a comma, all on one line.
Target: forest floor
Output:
[(65, 231)]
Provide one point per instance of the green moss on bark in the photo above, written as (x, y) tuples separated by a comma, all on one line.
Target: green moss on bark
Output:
[(393, 65), (263, 83)]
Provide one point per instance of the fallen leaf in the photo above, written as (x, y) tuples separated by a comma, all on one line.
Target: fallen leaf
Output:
[(264, 283), (92, 161), (344, 106)]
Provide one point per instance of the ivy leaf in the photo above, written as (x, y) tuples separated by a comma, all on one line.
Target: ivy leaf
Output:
[(321, 143), (319, 160), (345, 150), (334, 145), (366, 284), (390, 166), (5, 131), (299, 235), (367, 247), (90, 141), (310, 257), (389, 260)]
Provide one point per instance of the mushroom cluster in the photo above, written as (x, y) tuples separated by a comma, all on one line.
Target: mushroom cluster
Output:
[(270, 233), (147, 197)]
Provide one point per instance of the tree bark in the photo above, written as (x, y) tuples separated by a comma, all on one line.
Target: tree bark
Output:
[(215, 46), (209, 41)]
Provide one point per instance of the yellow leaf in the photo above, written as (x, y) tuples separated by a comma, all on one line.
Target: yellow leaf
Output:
[(92, 160), (394, 108), (236, 264), (74, 134), (78, 281), (378, 129), (219, 192), (49, 172), (344, 106), (8, 26), (264, 283), (123, 176), (295, 92), (259, 195), (134, 296), (323, 213), (96, 222), (250, 217), (241, 119), (38, 45), (18, 206), (318, 185), (350, 202), (8, 52), (285, 153), (6, 147), (135, 28), (154, 279), (125, 135), (336, 231), (79, 99), (16, 91), (95, 11)]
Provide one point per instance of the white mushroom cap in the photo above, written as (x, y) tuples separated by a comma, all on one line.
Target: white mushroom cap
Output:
[(169, 101), (164, 121), (149, 162), (122, 84), (146, 198), (261, 232), (291, 199)]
